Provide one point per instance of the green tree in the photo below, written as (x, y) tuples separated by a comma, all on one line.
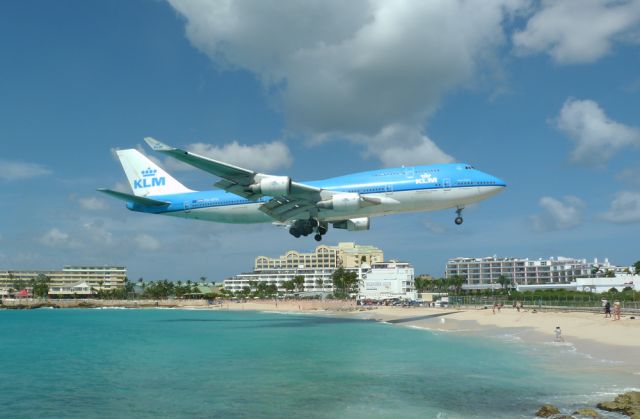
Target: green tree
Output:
[(271, 290), (298, 280), (289, 286), (423, 283), (610, 274), (504, 281), (344, 282), (456, 282), (636, 267), (41, 286)]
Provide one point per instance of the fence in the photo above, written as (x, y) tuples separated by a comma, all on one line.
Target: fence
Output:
[(559, 303)]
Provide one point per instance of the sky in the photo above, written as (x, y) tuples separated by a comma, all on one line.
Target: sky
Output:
[(542, 94)]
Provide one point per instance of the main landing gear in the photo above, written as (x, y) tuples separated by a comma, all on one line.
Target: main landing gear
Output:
[(459, 219), (306, 227)]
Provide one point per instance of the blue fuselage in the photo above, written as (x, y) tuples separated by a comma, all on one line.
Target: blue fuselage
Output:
[(405, 189)]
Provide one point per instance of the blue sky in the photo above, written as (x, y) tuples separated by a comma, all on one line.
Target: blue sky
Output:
[(543, 94)]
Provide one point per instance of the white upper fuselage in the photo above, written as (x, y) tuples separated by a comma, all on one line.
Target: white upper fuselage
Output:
[(406, 189)]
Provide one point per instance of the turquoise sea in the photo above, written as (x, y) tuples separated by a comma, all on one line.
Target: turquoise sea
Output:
[(187, 363)]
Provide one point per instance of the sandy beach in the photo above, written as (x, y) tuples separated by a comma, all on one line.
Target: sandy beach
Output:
[(574, 325), (588, 333)]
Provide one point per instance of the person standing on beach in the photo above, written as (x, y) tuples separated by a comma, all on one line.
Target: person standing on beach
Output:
[(558, 332), (616, 310), (607, 309)]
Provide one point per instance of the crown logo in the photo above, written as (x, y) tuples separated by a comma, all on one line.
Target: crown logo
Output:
[(148, 172)]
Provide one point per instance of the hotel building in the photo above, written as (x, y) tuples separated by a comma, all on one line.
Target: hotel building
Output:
[(70, 280), (388, 280), (484, 272), (316, 267)]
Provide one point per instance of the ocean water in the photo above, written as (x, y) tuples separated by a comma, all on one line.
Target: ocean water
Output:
[(154, 363)]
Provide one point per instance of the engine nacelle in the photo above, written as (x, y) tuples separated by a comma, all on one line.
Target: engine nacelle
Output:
[(353, 224), (342, 202), (272, 186)]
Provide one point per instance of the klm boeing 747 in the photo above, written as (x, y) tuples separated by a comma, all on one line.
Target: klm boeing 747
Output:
[(346, 202)]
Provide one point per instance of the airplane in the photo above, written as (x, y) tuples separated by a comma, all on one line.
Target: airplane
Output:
[(346, 202)]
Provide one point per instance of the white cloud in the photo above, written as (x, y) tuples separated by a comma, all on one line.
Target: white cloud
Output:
[(92, 203), (625, 208), (398, 145), (57, 238), (597, 137), (353, 69), (97, 233), (265, 157), (558, 214), (146, 242), (630, 175), (13, 170), (578, 31)]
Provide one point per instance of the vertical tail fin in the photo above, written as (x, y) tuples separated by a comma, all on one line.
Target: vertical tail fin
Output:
[(147, 178)]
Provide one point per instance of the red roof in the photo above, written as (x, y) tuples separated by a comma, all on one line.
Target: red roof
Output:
[(23, 293)]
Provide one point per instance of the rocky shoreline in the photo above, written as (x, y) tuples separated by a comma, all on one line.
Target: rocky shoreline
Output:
[(627, 404)]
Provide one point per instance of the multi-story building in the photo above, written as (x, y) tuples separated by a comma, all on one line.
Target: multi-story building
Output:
[(388, 280), (94, 277), (316, 267), (485, 272), (348, 255)]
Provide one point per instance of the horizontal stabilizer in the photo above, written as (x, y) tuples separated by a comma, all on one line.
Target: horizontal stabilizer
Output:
[(147, 202)]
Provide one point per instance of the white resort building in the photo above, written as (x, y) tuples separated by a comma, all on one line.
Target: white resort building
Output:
[(388, 280), (484, 272), (70, 281)]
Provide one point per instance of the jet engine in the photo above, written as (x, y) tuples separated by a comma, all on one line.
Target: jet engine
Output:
[(345, 202), (353, 224), (272, 185)]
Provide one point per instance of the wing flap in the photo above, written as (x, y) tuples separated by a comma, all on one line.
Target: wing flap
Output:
[(285, 208)]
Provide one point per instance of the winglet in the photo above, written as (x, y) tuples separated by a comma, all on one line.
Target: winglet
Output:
[(157, 145)]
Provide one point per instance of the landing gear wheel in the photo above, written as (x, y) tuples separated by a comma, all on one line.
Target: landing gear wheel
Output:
[(459, 219), (318, 237), (294, 232)]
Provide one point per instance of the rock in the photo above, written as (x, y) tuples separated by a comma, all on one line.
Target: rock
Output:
[(587, 413), (547, 410), (627, 403)]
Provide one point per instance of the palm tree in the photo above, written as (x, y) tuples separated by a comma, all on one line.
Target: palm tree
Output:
[(298, 280), (457, 281), (320, 283), (504, 281)]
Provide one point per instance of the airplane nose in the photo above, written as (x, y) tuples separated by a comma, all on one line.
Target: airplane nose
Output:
[(499, 182)]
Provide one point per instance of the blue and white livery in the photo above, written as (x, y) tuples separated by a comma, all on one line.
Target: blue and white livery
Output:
[(346, 202)]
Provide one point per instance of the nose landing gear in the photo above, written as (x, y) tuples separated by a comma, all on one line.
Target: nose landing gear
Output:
[(459, 220)]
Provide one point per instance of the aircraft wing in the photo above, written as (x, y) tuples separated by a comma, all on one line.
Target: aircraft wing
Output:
[(298, 199)]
